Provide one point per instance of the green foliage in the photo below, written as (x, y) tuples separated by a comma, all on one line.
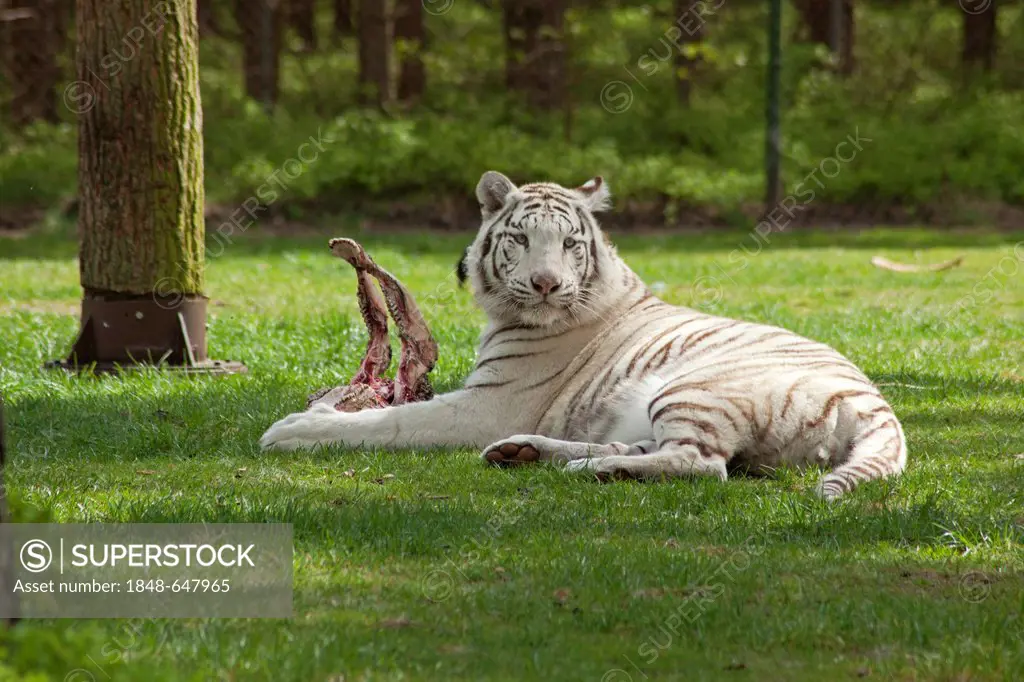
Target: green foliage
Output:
[(39, 165), (932, 138)]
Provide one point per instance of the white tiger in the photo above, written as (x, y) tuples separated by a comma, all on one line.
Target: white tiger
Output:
[(598, 374)]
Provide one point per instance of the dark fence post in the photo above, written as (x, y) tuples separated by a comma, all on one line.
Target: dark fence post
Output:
[(772, 161)]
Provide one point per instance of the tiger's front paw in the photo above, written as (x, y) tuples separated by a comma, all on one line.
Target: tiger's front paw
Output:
[(320, 425), (513, 451)]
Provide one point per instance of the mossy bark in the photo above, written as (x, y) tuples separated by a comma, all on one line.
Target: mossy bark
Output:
[(140, 147)]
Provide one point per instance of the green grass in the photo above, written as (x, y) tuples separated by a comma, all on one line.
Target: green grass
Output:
[(533, 574)]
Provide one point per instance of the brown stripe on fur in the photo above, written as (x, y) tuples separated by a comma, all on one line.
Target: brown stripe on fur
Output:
[(647, 346), (699, 424), (877, 410), (703, 448), (873, 430), (510, 356), (830, 405), (493, 384), (690, 341), (702, 408), (548, 380), (715, 346)]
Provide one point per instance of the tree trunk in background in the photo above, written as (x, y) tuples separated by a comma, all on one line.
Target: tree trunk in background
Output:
[(207, 16), (260, 25), (374, 45), (817, 28), (140, 143), (342, 18), (30, 39), (514, 27), (302, 18), (535, 52), (551, 57), (691, 27), (409, 37), (979, 48)]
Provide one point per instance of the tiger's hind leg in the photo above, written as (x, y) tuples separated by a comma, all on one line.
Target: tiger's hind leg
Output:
[(525, 449), (876, 450), (697, 433)]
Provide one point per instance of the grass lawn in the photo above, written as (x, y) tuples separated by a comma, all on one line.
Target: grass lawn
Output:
[(451, 570)]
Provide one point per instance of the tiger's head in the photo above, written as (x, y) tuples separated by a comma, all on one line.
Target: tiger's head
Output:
[(540, 258)]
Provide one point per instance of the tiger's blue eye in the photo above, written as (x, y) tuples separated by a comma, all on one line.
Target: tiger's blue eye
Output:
[(519, 238), (569, 242)]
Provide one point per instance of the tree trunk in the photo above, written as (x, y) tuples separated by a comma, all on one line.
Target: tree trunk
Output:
[(140, 143), (302, 17), (515, 29), (342, 18), (374, 45), (690, 25), (260, 24), (979, 48), (29, 42), (409, 38), (819, 26), (535, 52)]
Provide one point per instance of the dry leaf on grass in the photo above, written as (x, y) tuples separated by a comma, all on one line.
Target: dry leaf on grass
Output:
[(886, 264)]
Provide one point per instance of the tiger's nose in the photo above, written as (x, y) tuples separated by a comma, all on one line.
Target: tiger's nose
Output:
[(544, 284)]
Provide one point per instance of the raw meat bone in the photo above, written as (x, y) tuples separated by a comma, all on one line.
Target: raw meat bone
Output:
[(369, 388)]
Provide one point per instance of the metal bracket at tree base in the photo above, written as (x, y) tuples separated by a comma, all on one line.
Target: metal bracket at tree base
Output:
[(167, 333)]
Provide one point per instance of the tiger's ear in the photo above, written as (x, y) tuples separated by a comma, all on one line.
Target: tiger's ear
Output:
[(595, 194), (493, 192)]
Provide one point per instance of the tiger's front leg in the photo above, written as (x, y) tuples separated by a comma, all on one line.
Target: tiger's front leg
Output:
[(470, 417), (523, 449)]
